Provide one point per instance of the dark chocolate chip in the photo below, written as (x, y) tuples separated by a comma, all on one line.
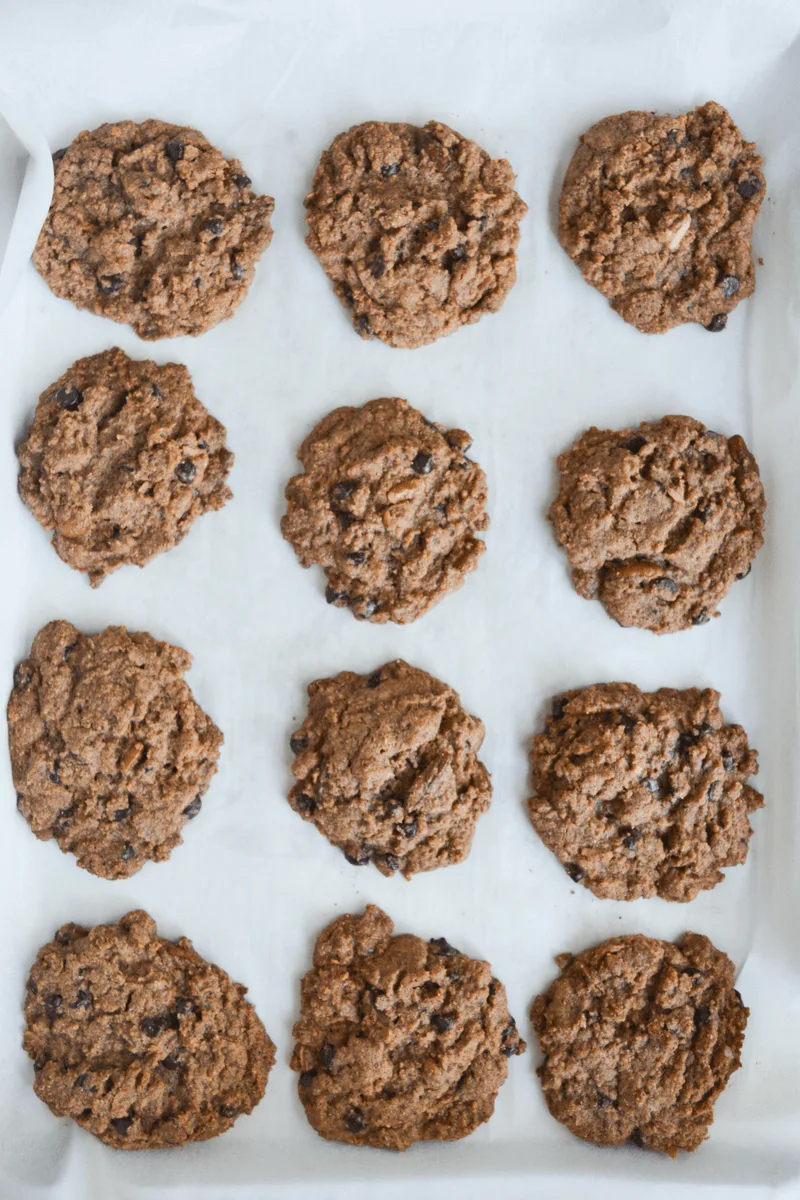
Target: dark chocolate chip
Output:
[(391, 862), (345, 519), (631, 838), (298, 742), (575, 872), (430, 988), (717, 323), (128, 852), (122, 814), (636, 1138), (362, 324), (635, 444), (153, 1026), (32, 987), (627, 722), (54, 774), (702, 618), (354, 1120), (366, 609), (81, 1080), (214, 225), (183, 1006), (334, 597), (59, 154), (701, 512), (170, 1063), (749, 187), (702, 1015), (441, 1022), (378, 266), (327, 1055), (229, 1111), (185, 471), (729, 284), (122, 1125), (728, 761), (389, 169), (422, 463), (307, 1078), (109, 284), (666, 585), (53, 1006), (343, 489), (22, 676), (360, 858), (409, 828), (744, 574), (374, 680), (559, 708), (604, 1101), (193, 808), (69, 399), (738, 996), (242, 181), (63, 821), (443, 948), (689, 971), (83, 999), (237, 270), (174, 149), (305, 804), (356, 557)]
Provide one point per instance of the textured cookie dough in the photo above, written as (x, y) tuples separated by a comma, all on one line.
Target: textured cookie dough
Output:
[(387, 769), (643, 793), (640, 1037), (389, 506), (658, 213), (659, 520), (110, 754), (140, 1040), (151, 226), (399, 1040), (416, 227), (120, 460)]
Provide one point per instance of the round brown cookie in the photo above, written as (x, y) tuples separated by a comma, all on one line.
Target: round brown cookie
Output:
[(389, 506), (416, 227), (399, 1040), (110, 754), (643, 793), (120, 459), (640, 1037), (659, 520), (387, 769), (658, 213), (151, 226), (140, 1040)]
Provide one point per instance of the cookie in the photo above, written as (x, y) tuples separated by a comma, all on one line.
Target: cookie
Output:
[(139, 1039), (416, 227), (389, 506), (119, 461), (399, 1040), (151, 226), (643, 793), (640, 1037), (658, 213), (110, 754), (387, 769), (659, 520)]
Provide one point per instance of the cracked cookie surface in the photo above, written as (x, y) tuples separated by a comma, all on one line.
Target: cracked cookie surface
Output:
[(658, 520), (643, 793), (387, 769), (120, 460), (416, 227), (151, 226), (140, 1040), (389, 506), (640, 1037), (399, 1039), (658, 213), (110, 753)]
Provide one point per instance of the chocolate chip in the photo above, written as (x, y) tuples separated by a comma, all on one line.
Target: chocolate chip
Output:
[(702, 1015), (122, 814), (744, 574), (604, 1101), (298, 742), (443, 948), (63, 821), (22, 676), (354, 1120), (185, 471), (59, 154), (153, 1026), (378, 266), (54, 775), (70, 399), (559, 707), (128, 852), (441, 1022), (307, 1078), (109, 284), (738, 996), (366, 608), (32, 987), (193, 808), (237, 270), (229, 1111), (575, 872), (666, 585), (717, 323), (391, 862), (214, 225), (332, 596), (356, 557), (749, 187), (430, 988), (183, 1006), (389, 169), (362, 324), (374, 679), (728, 761), (635, 444), (83, 999), (122, 1125), (345, 519), (327, 1055), (305, 804), (409, 828), (636, 1138), (81, 1080), (53, 1006), (174, 149), (422, 463), (631, 838), (343, 489), (729, 285), (702, 618), (627, 722), (242, 181), (360, 858)]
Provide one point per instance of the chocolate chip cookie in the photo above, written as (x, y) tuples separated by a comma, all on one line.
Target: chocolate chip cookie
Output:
[(120, 460), (643, 793), (399, 1040), (151, 226), (658, 521), (387, 769), (416, 227), (640, 1037), (658, 213), (110, 754), (389, 506), (140, 1040)]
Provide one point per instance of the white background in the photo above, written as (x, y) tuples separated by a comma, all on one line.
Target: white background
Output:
[(272, 83)]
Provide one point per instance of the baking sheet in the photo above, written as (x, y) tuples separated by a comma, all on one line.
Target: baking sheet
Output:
[(272, 83)]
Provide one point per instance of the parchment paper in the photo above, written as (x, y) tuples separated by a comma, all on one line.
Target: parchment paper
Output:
[(273, 83)]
